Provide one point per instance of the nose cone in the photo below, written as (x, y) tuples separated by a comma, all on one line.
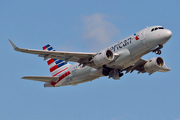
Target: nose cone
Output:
[(167, 34)]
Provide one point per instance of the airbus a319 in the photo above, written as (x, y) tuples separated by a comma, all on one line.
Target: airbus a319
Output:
[(123, 56)]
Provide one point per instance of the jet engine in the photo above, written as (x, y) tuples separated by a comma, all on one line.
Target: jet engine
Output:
[(154, 65), (103, 57)]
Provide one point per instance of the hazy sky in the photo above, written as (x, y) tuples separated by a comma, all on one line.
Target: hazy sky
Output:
[(86, 26)]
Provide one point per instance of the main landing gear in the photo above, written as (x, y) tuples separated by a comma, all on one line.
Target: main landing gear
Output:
[(105, 72), (108, 72), (121, 74)]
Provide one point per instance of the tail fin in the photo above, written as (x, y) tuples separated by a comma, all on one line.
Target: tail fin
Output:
[(56, 66)]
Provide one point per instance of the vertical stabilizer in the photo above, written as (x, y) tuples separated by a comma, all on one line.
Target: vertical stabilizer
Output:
[(56, 66)]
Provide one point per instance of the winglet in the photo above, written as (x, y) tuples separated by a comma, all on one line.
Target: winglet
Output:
[(13, 45)]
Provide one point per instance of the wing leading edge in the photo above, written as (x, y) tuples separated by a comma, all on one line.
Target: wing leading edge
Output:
[(67, 56)]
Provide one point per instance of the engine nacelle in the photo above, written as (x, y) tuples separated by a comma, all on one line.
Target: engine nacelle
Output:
[(154, 65), (103, 57)]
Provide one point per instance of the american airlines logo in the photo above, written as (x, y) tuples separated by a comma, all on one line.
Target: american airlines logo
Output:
[(136, 36)]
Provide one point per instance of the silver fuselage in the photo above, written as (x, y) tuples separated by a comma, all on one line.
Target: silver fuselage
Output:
[(130, 50)]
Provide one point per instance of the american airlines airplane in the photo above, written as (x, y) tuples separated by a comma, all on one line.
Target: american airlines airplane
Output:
[(124, 55)]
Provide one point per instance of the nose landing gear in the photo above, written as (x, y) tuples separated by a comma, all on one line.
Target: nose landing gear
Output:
[(157, 50)]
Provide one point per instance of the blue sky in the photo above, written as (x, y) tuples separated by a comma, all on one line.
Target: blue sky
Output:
[(86, 26)]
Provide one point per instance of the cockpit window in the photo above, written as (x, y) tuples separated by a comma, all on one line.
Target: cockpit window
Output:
[(160, 27), (154, 29)]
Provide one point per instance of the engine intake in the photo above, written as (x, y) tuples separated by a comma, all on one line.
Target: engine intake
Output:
[(103, 57)]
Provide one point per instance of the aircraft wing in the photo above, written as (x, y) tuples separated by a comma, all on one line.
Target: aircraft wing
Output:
[(40, 78), (139, 66), (67, 56)]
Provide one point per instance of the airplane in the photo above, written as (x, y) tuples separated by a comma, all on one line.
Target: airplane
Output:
[(112, 61)]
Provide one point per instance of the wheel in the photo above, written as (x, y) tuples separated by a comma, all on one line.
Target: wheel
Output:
[(158, 52), (105, 72), (121, 74)]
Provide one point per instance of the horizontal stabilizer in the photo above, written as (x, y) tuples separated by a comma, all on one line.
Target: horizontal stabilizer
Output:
[(40, 78)]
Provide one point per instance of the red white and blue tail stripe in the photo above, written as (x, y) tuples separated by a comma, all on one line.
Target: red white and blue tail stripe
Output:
[(56, 66)]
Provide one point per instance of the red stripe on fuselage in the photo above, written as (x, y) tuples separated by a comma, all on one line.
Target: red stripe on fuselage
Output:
[(59, 72), (50, 61), (61, 77), (53, 68)]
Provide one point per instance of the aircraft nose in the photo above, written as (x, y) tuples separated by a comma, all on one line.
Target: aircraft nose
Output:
[(167, 34)]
